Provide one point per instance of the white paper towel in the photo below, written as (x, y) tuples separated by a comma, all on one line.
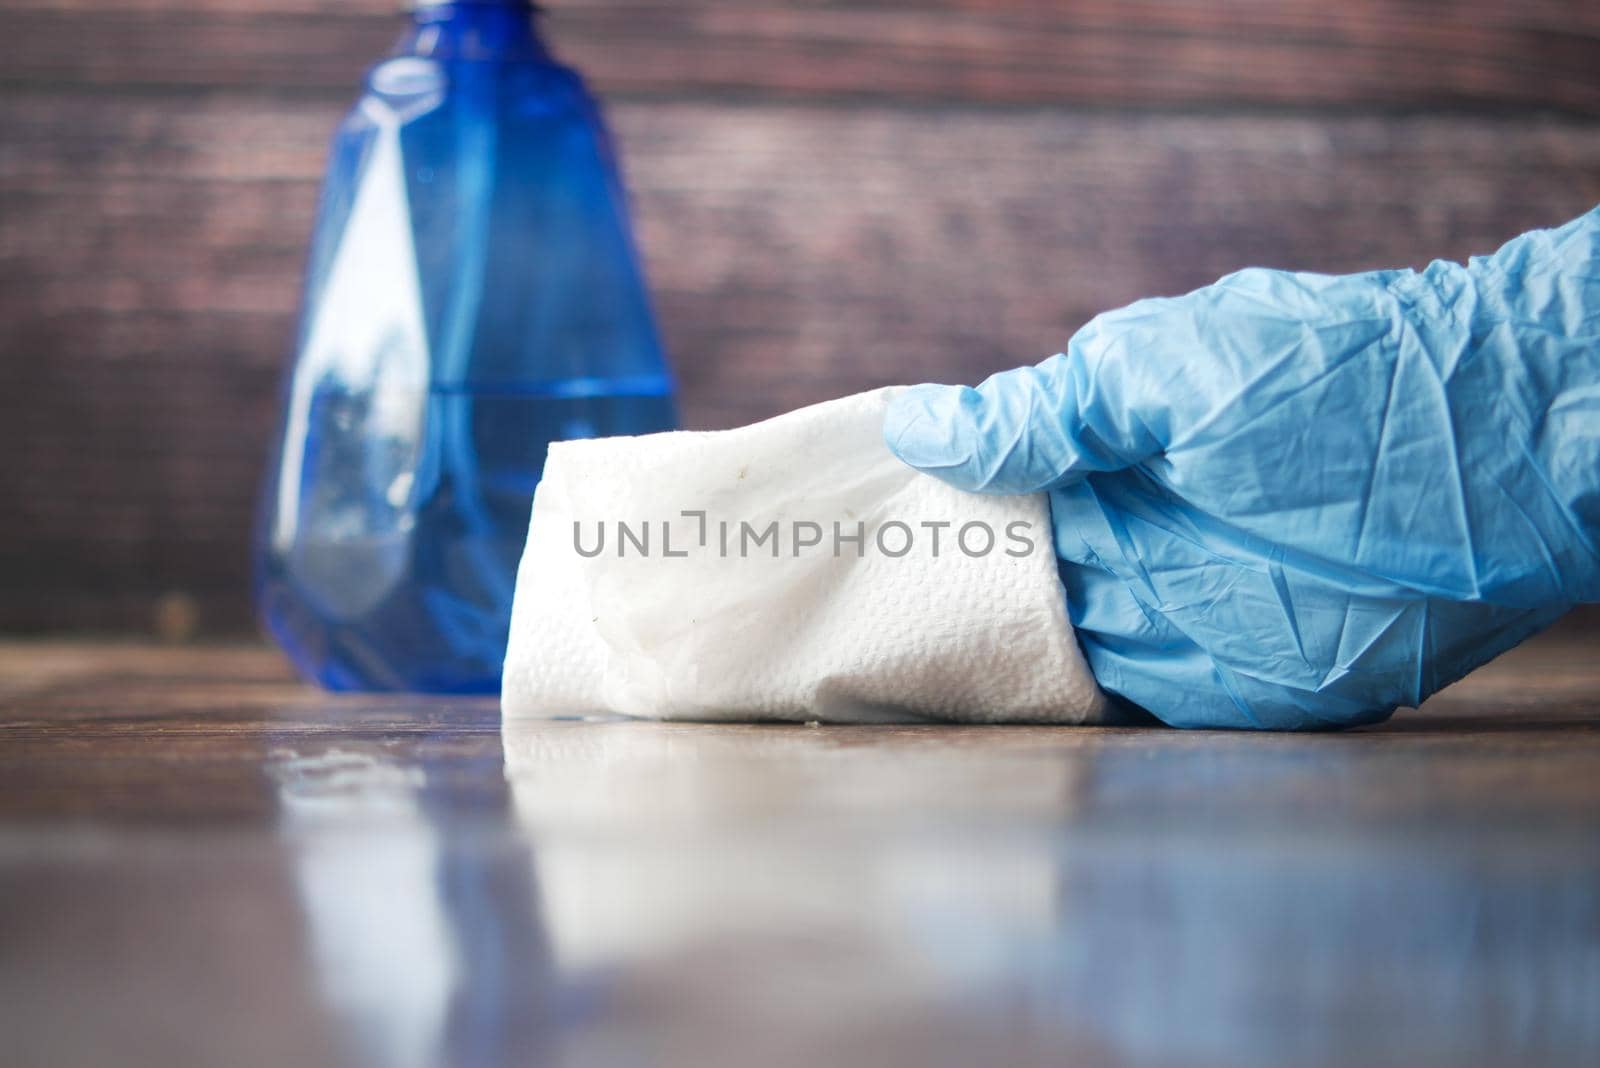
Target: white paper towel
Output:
[(948, 607)]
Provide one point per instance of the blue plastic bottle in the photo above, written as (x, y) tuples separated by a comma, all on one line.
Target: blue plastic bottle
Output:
[(473, 294)]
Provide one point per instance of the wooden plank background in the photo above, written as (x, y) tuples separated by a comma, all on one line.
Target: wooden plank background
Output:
[(830, 196)]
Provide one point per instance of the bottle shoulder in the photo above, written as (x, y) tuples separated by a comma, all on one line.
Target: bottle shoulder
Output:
[(409, 91), (401, 81)]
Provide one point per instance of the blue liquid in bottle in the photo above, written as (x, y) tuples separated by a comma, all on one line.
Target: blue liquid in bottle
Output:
[(473, 294)]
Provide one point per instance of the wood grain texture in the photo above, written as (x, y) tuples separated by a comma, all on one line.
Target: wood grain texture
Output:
[(796, 253), (1387, 54), (829, 196), (202, 862)]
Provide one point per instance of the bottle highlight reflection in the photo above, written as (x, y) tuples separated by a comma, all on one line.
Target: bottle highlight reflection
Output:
[(473, 294)]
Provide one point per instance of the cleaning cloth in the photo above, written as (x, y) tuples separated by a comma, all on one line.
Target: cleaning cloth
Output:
[(791, 570)]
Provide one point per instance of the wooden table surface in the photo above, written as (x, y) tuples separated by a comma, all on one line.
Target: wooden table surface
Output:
[(202, 862)]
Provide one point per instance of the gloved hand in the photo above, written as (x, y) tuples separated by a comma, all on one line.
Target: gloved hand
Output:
[(1296, 500)]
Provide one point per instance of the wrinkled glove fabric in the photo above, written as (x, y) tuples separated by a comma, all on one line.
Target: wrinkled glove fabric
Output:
[(1298, 501)]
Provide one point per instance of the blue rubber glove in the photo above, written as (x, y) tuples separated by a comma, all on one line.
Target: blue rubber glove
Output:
[(1300, 501)]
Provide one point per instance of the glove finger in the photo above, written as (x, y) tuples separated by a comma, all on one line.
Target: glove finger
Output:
[(1020, 431)]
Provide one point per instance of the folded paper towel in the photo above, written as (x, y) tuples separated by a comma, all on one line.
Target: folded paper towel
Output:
[(792, 570)]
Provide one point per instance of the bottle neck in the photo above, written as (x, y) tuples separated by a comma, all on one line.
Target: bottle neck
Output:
[(472, 29)]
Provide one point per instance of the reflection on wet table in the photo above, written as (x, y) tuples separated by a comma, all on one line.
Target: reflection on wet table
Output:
[(201, 862)]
